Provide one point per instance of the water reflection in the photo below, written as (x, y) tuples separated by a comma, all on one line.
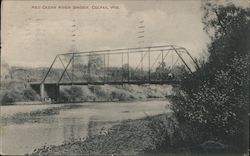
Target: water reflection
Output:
[(69, 124), (74, 129)]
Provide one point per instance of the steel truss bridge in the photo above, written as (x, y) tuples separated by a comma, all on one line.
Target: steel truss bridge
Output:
[(142, 65)]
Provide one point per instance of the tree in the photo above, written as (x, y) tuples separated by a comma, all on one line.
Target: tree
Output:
[(214, 100), (228, 27), (95, 63)]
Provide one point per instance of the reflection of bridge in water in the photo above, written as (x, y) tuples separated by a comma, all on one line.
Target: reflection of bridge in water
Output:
[(146, 65)]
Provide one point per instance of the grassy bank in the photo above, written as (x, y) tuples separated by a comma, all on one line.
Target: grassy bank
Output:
[(17, 92), (13, 92), (113, 93)]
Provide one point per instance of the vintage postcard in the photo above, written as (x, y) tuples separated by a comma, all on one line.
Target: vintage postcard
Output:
[(124, 77)]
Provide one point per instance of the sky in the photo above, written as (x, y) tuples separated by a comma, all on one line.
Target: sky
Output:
[(33, 32)]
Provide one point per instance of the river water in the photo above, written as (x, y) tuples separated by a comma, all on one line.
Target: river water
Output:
[(67, 124)]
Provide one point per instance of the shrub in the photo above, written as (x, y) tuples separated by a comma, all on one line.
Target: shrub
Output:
[(64, 96), (217, 110), (72, 94), (30, 94), (12, 96), (214, 100), (99, 91), (19, 94), (121, 95)]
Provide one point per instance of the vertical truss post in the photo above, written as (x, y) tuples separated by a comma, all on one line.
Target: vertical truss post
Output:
[(149, 72), (128, 66), (162, 66), (104, 70), (122, 68), (72, 66), (141, 61), (88, 77), (142, 65), (172, 61), (108, 69)]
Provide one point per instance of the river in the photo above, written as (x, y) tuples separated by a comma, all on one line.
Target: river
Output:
[(66, 124)]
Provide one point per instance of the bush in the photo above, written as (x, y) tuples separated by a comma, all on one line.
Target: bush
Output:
[(18, 95), (98, 90), (30, 94), (12, 96), (214, 100), (217, 110), (72, 94), (121, 95)]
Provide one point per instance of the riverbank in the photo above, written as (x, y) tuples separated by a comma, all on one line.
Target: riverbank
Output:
[(19, 95), (41, 125), (129, 137), (152, 135)]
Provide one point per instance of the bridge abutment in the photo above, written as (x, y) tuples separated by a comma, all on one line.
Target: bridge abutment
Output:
[(42, 91), (47, 91)]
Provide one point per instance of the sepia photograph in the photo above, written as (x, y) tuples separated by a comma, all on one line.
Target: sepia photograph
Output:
[(125, 77)]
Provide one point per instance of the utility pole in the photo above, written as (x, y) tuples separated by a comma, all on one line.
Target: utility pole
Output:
[(73, 39), (140, 37)]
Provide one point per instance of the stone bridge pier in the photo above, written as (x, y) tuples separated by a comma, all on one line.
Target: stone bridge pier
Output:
[(47, 91)]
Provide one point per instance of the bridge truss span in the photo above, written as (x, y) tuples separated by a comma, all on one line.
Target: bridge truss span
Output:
[(117, 66)]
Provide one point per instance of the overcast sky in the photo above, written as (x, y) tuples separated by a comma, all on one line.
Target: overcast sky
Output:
[(32, 37)]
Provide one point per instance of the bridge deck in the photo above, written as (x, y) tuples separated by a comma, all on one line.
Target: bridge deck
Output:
[(108, 83)]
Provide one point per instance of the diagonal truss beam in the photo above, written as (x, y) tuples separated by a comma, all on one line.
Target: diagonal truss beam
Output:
[(182, 60), (64, 68), (46, 75), (195, 62), (155, 61)]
